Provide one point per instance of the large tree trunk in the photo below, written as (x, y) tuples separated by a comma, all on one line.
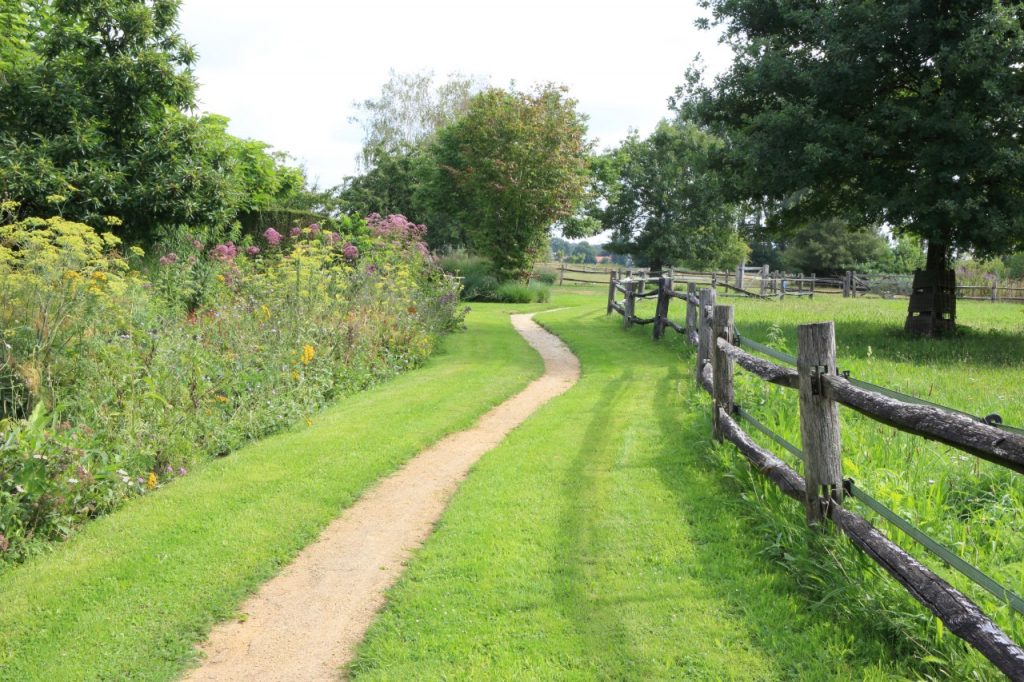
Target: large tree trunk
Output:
[(932, 308)]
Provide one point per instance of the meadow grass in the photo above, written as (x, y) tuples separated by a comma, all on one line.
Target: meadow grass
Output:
[(608, 538), (129, 596)]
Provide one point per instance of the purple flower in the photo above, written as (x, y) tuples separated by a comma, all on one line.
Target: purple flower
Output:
[(314, 228), (197, 245), (371, 269), (182, 471), (295, 231), (5, 544), (333, 237), (272, 236), (350, 251), (224, 252), (253, 251), (170, 469), (169, 258)]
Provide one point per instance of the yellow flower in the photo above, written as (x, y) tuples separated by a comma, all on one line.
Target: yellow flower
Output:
[(265, 311), (221, 398), (151, 481), (136, 251), (308, 352), (309, 422), (295, 375), (73, 275), (99, 276)]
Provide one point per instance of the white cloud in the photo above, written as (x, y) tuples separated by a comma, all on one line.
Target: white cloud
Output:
[(287, 73)]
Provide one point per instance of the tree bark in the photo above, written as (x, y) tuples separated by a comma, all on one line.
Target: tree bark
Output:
[(932, 307)]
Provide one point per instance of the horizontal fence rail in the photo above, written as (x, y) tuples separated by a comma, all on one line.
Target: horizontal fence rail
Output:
[(822, 490)]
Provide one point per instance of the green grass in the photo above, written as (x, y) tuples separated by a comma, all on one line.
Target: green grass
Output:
[(605, 539), (130, 595)]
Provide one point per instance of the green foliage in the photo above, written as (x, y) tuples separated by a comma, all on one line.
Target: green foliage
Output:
[(544, 275), (513, 292), (512, 166), (664, 204), (95, 102), (903, 113), (146, 374), (832, 246)]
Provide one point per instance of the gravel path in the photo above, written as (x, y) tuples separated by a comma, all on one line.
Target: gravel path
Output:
[(307, 622)]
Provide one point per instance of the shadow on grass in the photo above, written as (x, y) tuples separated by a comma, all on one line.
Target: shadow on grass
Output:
[(881, 339), (599, 623), (726, 538)]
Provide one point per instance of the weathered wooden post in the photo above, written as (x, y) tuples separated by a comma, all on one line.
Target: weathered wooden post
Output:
[(764, 278), (846, 284), (611, 292), (561, 269), (707, 302), (691, 309), (993, 292), (813, 278), (819, 419), (629, 304), (800, 283), (739, 276), (661, 311), (721, 366)]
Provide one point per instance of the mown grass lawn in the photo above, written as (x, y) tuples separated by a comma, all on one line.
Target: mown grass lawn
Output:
[(128, 596), (604, 539)]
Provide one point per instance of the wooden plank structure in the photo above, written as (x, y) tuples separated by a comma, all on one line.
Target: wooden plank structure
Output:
[(932, 309)]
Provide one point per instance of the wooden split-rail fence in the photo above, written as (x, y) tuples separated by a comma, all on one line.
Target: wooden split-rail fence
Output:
[(822, 489)]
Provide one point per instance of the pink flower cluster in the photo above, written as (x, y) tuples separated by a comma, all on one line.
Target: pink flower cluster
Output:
[(224, 252), (350, 251), (395, 225), (169, 259)]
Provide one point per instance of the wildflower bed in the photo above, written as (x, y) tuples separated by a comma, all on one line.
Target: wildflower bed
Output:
[(118, 373)]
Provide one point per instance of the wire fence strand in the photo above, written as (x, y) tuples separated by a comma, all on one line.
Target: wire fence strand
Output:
[(934, 546)]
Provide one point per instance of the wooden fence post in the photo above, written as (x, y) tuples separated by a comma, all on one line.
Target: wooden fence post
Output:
[(707, 300), (819, 419), (764, 278), (993, 292), (739, 276), (561, 270), (691, 309), (611, 291), (721, 366), (661, 311), (846, 284), (629, 304), (813, 277)]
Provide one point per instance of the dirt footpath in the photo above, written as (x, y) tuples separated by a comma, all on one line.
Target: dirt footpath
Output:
[(307, 622)]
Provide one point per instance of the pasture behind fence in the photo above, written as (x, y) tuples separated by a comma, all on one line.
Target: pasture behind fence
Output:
[(822, 387), (765, 283)]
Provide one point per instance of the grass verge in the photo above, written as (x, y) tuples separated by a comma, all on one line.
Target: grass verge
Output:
[(604, 540), (129, 596)]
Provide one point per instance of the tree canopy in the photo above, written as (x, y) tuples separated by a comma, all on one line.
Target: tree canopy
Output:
[(906, 113), (663, 202), (512, 166)]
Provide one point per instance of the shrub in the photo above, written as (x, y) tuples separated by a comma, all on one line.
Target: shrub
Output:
[(113, 381), (479, 282), (513, 292), (541, 292), (545, 275)]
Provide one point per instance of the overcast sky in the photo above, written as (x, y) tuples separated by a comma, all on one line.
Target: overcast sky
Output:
[(287, 73)]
